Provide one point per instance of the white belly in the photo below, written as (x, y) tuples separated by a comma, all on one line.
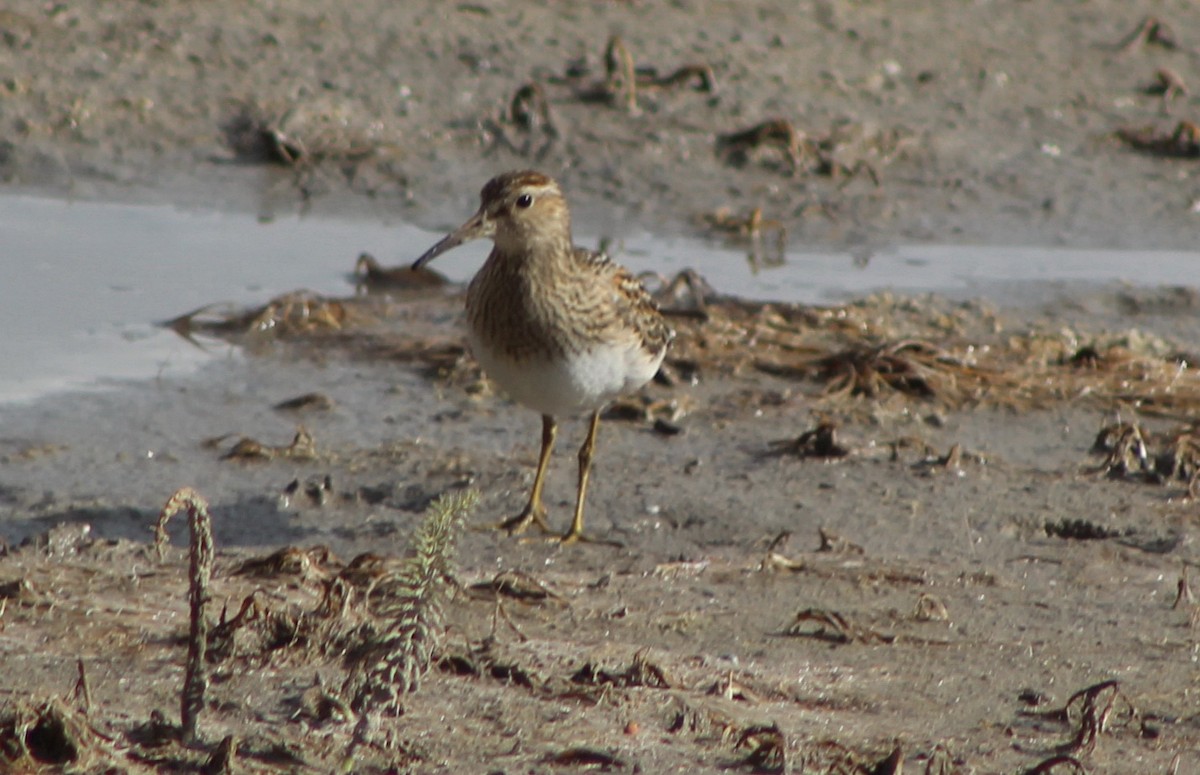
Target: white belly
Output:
[(579, 382)]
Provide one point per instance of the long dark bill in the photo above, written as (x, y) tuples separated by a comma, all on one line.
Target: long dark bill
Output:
[(477, 227)]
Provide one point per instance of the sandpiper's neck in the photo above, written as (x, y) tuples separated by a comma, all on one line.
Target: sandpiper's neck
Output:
[(532, 251)]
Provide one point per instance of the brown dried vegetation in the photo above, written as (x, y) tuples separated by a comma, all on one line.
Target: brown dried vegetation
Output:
[(302, 619), (382, 630), (841, 153), (1094, 710), (1182, 142), (291, 315), (1133, 453), (624, 80), (884, 349)]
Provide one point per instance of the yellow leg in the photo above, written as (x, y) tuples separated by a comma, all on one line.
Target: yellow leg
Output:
[(585, 469), (535, 511)]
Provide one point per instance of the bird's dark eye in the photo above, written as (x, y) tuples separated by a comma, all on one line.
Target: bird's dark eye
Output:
[(524, 201)]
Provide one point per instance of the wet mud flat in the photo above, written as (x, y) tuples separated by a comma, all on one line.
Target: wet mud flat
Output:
[(895, 532), (847, 124)]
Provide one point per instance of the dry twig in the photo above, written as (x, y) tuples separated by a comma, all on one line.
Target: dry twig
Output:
[(1150, 31), (200, 555)]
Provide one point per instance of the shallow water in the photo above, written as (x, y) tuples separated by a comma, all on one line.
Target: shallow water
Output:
[(82, 285)]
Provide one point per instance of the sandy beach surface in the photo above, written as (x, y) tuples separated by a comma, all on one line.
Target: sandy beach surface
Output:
[(902, 532)]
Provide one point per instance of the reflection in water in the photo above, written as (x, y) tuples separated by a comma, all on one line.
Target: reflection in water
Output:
[(766, 238)]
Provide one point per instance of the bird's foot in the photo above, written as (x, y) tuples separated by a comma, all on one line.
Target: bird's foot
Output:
[(531, 515), (574, 536)]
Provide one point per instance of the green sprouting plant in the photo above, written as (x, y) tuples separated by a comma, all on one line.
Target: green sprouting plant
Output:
[(396, 656)]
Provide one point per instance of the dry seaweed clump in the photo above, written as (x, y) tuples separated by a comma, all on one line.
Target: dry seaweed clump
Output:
[(624, 80), (880, 352), (885, 349), (1183, 142), (394, 317), (844, 151), (304, 134), (1093, 711), (290, 315), (872, 349), (1131, 452), (51, 736), (322, 141)]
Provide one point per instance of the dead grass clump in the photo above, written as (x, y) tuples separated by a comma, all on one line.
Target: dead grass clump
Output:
[(1124, 448), (641, 672), (306, 134), (870, 349), (515, 585), (529, 110), (1169, 85), (1057, 765), (777, 133), (776, 561), (767, 749), (910, 368), (830, 757), (526, 126), (930, 608), (35, 738), (302, 447), (256, 630), (886, 348), (833, 627), (265, 630), (310, 565), (1081, 530), (584, 758), (293, 314), (752, 229), (1151, 30), (1143, 375), (374, 327), (1133, 453), (1093, 710), (845, 150), (819, 442), (624, 80), (307, 402), (1183, 142), (915, 368)]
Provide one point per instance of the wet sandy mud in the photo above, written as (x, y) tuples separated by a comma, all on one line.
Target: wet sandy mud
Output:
[(894, 530), (899, 532), (848, 124)]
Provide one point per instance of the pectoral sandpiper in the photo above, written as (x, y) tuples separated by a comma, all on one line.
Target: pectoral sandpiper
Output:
[(561, 329)]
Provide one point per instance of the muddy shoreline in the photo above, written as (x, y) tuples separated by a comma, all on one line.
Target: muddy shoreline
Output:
[(968, 555), (992, 125), (938, 576)]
